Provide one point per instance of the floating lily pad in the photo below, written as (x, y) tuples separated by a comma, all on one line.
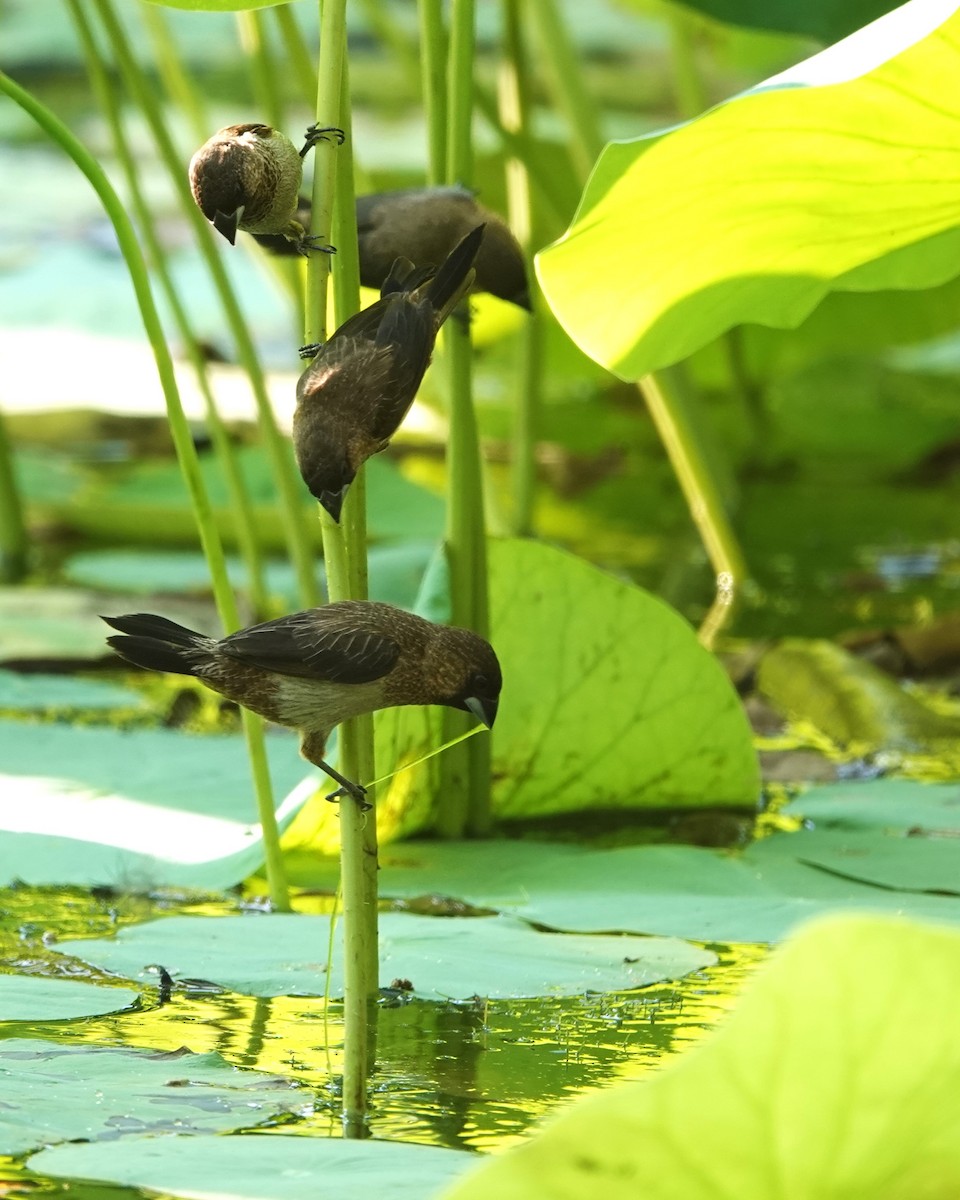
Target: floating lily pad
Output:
[(137, 809), (261, 1168), (886, 860), (671, 891), (59, 1093), (36, 693), (395, 572), (896, 805), (34, 998), (444, 957), (837, 1074)]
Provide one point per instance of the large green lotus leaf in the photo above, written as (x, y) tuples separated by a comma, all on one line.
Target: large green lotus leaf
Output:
[(837, 174), (893, 805), (261, 1168), (609, 700), (837, 1075), (671, 891), (61, 1093), (34, 998), (135, 809), (444, 957)]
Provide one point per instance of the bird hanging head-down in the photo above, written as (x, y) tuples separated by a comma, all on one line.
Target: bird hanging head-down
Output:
[(313, 669), (355, 393), (248, 177)]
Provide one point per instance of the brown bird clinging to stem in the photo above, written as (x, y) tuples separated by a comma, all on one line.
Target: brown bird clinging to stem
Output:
[(359, 387), (313, 669), (248, 177)]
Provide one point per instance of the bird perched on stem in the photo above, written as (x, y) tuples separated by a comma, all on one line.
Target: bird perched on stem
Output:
[(313, 669), (359, 387), (248, 177)]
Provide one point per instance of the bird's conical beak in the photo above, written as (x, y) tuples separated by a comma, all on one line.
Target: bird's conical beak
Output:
[(227, 223), (333, 502), (483, 710)]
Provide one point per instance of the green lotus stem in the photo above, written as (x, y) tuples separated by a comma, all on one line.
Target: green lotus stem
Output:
[(263, 72), (295, 48), (240, 504), (14, 543), (183, 444), (665, 402), (344, 546), (515, 88), (186, 99), (433, 52), (691, 94), (282, 466), (561, 63)]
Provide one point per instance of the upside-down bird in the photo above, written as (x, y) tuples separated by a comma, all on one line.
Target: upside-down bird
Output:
[(248, 177), (359, 387)]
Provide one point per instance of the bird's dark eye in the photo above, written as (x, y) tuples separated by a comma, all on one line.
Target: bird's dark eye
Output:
[(479, 681)]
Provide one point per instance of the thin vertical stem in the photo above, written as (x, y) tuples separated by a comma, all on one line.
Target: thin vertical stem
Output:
[(182, 440), (176, 82), (13, 531), (240, 504), (433, 52), (514, 85), (665, 403), (561, 65), (256, 46), (288, 484), (332, 183)]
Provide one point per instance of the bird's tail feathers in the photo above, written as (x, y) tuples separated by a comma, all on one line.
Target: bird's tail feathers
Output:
[(455, 275), (405, 277), (155, 643)]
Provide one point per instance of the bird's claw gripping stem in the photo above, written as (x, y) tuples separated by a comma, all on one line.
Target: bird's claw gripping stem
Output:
[(322, 133)]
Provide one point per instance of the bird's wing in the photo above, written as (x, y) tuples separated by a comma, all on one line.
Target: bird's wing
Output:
[(329, 647), (407, 332)]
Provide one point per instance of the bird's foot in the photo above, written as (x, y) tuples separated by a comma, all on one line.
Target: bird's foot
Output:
[(311, 350), (322, 133), (313, 241), (353, 790)]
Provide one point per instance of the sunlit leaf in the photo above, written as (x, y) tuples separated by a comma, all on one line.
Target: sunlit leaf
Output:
[(136, 809), (444, 957), (837, 174), (831, 1078), (672, 891), (35, 998), (52, 1092), (261, 1168)]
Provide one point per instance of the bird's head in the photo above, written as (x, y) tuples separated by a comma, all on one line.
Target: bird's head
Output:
[(464, 673)]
